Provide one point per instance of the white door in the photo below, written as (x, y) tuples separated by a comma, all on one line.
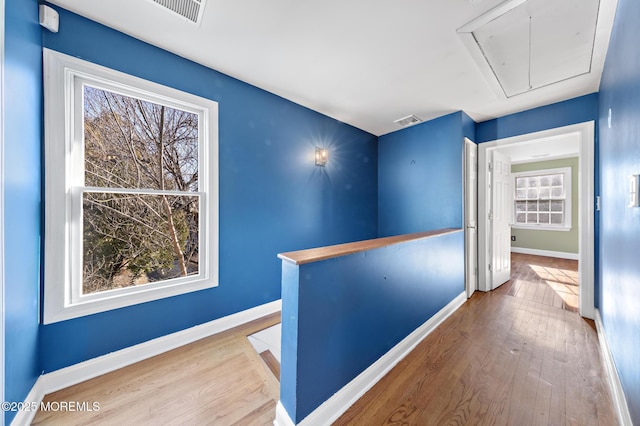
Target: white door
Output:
[(470, 215), (500, 219)]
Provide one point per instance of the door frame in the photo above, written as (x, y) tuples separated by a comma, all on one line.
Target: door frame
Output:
[(470, 286), (2, 294), (586, 211)]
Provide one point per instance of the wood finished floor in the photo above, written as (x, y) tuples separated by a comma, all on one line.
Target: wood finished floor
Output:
[(546, 280), (514, 356), (219, 380)]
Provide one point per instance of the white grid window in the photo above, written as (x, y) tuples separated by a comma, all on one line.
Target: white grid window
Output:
[(543, 199), (131, 190)]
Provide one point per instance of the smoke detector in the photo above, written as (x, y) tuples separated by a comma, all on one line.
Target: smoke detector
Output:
[(409, 120), (188, 9)]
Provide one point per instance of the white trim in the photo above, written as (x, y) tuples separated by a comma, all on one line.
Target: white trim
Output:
[(617, 391), (567, 198), (83, 371), (334, 407), (282, 417), (532, 227), (2, 295), (540, 160), (470, 227), (586, 202), (547, 253), (33, 399), (64, 77)]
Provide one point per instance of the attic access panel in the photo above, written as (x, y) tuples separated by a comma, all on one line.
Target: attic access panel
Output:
[(537, 42)]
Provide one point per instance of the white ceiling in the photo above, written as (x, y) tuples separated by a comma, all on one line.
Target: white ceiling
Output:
[(550, 148), (539, 42), (363, 62)]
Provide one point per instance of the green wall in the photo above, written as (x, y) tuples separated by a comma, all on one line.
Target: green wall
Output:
[(562, 241)]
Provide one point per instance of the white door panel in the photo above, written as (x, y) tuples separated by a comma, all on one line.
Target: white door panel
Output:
[(470, 215), (500, 218)]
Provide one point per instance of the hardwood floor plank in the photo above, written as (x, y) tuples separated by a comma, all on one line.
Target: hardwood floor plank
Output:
[(217, 380), (517, 355), (271, 362), (524, 358)]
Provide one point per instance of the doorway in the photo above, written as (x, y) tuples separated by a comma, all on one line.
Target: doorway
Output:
[(584, 132)]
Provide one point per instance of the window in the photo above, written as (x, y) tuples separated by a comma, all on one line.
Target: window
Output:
[(131, 190), (543, 199)]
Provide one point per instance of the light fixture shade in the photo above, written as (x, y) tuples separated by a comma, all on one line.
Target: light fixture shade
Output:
[(322, 156)]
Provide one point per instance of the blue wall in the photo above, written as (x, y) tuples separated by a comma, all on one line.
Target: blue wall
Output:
[(377, 298), (420, 176), (620, 225), (566, 113), (272, 197), (21, 171), (468, 127), (573, 111)]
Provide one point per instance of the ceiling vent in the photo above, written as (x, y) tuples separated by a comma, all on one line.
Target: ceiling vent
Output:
[(408, 120), (189, 9)]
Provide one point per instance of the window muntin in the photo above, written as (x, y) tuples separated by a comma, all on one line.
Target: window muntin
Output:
[(135, 238), (131, 190), (543, 199)]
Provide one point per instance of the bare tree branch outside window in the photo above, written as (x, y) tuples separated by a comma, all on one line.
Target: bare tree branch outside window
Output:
[(135, 238)]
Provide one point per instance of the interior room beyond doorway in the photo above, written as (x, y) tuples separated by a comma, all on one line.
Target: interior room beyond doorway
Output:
[(547, 280)]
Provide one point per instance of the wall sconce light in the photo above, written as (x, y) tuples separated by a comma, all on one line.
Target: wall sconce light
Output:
[(322, 156)]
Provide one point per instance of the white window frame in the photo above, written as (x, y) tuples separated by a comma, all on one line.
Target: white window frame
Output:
[(566, 225), (64, 79)]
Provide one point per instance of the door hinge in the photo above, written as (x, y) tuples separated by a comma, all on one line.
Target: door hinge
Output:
[(490, 268), (490, 167), (490, 215)]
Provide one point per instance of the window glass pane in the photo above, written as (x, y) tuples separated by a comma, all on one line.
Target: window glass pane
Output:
[(545, 199), (132, 239), (131, 143), (557, 205), (544, 193), (556, 192), (557, 218)]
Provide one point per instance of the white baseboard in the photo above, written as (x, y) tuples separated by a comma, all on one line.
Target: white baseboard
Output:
[(33, 399), (619, 400), (334, 407), (548, 253), (77, 373), (282, 417)]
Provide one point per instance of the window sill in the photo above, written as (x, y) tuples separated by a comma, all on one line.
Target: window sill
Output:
[(542, 228)]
